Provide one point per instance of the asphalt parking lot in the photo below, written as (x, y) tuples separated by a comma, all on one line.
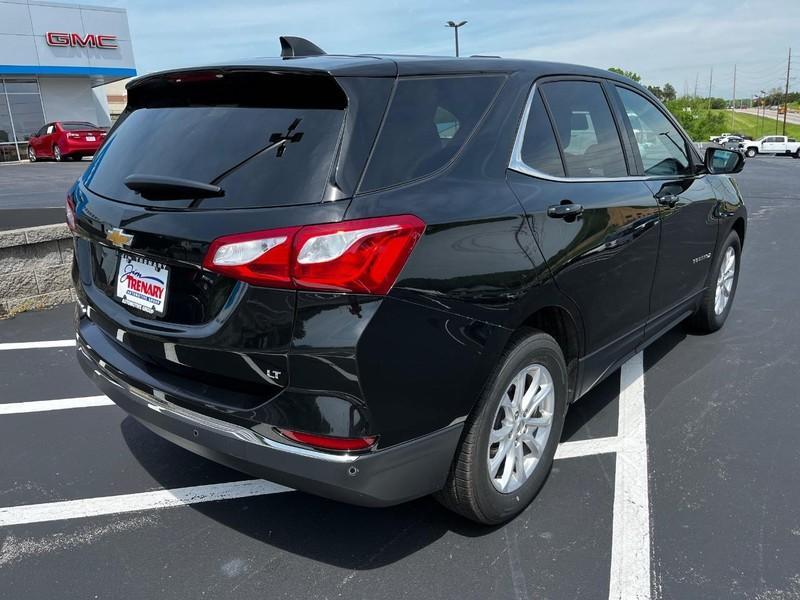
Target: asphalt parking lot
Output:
[(33, 193), (676, 478)]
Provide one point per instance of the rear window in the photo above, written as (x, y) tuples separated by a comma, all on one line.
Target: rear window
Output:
[(427, 123), (223, 129), (77, 126)]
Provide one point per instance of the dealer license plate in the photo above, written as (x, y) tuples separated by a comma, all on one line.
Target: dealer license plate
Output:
[(90, 138), (142, 284)]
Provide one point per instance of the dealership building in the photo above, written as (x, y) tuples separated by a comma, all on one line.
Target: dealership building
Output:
[(53, 57)]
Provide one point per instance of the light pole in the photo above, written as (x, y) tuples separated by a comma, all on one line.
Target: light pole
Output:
[(455, 27)]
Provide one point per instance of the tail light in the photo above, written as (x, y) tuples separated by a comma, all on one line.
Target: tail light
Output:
[(70, 210), (260, 258), (327, 442), (74, 135), (363, 256)]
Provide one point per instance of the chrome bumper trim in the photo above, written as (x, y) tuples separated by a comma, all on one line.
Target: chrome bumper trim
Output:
[(163, 406)]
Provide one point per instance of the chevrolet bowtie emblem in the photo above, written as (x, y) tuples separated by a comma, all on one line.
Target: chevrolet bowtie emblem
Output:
[(118, 237)]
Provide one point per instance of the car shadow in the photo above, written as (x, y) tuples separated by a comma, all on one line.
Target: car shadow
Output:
[(666, 344), (350, 537), (594, 415), (338, 534)]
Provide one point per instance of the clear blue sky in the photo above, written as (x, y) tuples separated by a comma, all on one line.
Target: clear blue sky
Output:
[(676, 41)]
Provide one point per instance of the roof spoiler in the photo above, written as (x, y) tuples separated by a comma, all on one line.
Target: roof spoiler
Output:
[(296, 46)]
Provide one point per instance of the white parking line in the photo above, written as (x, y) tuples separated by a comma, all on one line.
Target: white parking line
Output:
[(33, 345), (110, 505), (604, 445), (630, 537), (15, 408)]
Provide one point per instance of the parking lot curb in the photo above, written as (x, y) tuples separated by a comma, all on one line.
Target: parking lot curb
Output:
[(35, 268)]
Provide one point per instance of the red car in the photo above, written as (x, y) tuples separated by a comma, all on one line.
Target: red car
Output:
[(65, 140)]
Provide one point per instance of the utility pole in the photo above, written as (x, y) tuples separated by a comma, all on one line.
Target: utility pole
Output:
[(696, 79), (786, 93), (455, 27), (733, 105), (710, 79)]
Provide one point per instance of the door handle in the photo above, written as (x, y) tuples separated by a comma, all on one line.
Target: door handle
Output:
[(562, 211), (667, 199)]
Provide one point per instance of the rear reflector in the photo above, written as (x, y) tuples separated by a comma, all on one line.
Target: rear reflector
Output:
[(327, 442), (363, 256)]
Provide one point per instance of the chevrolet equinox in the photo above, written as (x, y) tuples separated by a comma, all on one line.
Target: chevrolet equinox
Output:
[(375, 278)]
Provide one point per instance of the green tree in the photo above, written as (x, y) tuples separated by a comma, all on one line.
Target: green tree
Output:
[(629, 74), (669, 92), (694, 116), (656, 91), (719, 103)]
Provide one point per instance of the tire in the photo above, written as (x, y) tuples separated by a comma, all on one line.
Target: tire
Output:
[(57, 154), (471, 490), (708, 317), (797, 153), (31, 154), (750, 152)]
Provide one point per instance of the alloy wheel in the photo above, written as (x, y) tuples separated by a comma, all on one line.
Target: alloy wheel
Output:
[(57, 153), (521, 428), (31, 154), (727, 271)]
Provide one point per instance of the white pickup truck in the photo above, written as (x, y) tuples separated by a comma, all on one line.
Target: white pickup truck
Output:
[(771, 144)]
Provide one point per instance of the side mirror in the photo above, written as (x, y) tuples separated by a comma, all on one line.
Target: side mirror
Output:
[(721, 160)]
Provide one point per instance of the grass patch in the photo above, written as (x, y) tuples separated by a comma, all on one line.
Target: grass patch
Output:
[(749, 125)]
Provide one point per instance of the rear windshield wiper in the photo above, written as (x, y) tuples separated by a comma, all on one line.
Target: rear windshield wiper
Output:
[(157, 187)]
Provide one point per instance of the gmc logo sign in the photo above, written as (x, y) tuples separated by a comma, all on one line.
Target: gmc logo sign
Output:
[(75, 40)]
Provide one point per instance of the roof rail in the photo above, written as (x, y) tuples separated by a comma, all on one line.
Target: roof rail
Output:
[(296, 46), (484, 56)]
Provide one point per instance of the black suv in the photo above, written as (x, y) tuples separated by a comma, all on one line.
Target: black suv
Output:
[(375, 278)]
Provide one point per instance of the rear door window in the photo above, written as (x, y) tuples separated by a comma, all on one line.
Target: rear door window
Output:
[(585, 128), (427, 123), (225, 132)]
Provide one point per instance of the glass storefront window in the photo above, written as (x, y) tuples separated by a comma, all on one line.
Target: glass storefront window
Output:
[(21, 116), (26, 114), (8, 152), (21, 86), (6, 133)]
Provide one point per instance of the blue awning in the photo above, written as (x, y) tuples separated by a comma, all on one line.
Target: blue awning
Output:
[(116, 73)]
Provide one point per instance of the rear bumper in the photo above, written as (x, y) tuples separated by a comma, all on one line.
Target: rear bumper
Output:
[(79, 147), (380, 478)]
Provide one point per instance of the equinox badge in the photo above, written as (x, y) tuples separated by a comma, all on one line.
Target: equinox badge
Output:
[(119, 238)]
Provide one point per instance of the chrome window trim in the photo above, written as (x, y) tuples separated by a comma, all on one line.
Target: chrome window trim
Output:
[(517, 164)]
